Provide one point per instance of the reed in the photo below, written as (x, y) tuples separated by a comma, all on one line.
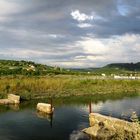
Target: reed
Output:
[(63, 86)]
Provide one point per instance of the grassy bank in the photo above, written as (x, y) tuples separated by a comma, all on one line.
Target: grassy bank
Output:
[(63, 86)]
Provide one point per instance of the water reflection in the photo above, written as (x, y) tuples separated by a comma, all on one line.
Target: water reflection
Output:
[(14, 107), (70, 116), (119, 108), (78, 135), (5, 108), (43, 115)]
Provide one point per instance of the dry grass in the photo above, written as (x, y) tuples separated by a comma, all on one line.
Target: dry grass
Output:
[(31, 87)]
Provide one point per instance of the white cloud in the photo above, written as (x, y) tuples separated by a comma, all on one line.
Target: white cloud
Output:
[(72, 63), (92, 45), (123, 48), (55, 36), (7, 8), (95, 58), (77, 15), (89, 52), (98, 17), (22, 53), (80, 57), (84, 25)]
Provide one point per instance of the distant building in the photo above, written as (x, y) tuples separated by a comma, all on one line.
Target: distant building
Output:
[(126, 77), (31, 68), (103, 74)]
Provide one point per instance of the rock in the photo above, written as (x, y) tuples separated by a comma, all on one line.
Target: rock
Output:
[(95, 118), (134, 117), (46, 108), (6, 101), (109, 128), (12, 99)]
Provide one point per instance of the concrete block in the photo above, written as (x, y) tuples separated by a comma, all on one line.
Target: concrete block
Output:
[(44, 107), (14, 98)]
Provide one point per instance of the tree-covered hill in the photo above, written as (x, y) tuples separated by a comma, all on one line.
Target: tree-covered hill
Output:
[(114, 68), (29, 68), (9, 67), (125, 66)]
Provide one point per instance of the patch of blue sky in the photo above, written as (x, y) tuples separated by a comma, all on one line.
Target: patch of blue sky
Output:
[(123, 10)]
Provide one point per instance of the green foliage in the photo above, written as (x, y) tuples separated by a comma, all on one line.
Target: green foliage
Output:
[(125, 66), (28, 68)]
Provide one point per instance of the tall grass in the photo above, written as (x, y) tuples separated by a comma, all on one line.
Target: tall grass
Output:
[(37, 87)]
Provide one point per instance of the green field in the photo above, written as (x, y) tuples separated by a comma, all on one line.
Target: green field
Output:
[(63, 86)]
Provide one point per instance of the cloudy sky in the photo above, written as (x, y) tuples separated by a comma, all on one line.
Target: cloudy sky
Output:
[(70, 33)]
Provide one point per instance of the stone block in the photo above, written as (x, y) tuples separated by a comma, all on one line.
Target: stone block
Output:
[(44, 107)]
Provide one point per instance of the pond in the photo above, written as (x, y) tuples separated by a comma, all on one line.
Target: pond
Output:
[(70, 116)]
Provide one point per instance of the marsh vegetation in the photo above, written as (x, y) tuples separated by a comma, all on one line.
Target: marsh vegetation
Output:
[(63, 86)]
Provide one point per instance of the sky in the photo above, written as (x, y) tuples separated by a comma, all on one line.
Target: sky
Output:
[(70, 33)]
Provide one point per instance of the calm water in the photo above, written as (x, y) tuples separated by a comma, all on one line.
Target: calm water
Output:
[(24, 123)]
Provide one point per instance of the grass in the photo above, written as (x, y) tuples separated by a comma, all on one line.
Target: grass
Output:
[(63, 86)]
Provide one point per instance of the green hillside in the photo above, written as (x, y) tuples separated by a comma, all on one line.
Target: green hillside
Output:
[(119, 68), (11, 67), (125, 66), (114, 68)]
